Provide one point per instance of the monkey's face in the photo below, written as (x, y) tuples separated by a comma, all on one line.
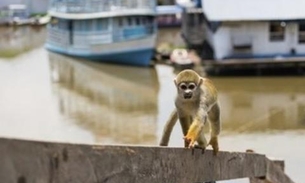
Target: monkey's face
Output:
[(186, 90)]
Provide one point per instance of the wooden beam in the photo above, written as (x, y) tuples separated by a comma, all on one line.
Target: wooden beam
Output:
[(275, 173), (280, 163), (45, 162)]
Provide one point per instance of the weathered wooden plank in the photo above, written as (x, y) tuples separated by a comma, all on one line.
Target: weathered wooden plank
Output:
[(275, 173), (44, 162), (280, 163)]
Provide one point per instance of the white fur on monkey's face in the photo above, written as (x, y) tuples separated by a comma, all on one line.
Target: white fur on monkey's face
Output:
[(187, 90)]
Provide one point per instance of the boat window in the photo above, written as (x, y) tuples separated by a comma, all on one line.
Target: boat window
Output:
[(59, 24), (89, 25), (77, 25), (150, 20), (138, 21), (83, 25), (102, 24), (130, 22), (302, 32), (121, 21), (144, 20), (277, 31), (149, 25)]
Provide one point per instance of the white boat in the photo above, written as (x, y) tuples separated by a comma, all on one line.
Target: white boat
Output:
[(14, 14), (121, 31), (180, 57)]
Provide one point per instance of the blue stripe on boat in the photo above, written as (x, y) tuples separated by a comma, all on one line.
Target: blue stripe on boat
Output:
[(139, 57)]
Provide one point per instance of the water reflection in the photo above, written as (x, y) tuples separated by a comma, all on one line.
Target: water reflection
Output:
[(118, 104), (16, 40), (262, 104)]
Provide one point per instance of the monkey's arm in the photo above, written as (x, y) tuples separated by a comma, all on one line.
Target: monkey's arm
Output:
[(196, 126), (168, 128)]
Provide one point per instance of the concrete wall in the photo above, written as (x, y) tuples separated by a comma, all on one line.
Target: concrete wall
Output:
[(257, 33)]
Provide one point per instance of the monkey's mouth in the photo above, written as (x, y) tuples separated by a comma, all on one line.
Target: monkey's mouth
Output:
[(187, 96)]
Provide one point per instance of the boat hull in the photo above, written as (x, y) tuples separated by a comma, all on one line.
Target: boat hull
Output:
[(139, 57)]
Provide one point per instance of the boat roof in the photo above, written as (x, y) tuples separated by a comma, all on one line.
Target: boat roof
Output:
[(168, 9), (82, 16), (253, 10), (16, 6)]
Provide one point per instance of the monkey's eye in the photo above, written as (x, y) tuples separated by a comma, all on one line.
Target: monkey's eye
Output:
[(192, 86), (183, 86)]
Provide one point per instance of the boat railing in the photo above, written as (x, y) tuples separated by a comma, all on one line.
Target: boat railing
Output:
[(82, 39), (103, 37), (95, 6)]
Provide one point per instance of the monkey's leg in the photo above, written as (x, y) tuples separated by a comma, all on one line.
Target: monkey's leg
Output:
[(168, 128), (214, 118), (185, 125), (202, 141)]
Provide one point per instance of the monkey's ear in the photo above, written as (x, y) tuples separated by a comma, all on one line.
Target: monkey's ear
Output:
[(175, 81), (200, 81)]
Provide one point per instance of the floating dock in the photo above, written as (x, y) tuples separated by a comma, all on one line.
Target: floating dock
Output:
[(296, 63)]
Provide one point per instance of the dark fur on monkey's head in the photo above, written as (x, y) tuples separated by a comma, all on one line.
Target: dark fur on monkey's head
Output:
[(187, 75)]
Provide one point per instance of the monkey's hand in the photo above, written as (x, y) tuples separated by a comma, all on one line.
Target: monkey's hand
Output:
[(193, 133), (214, 143), (190, 140)]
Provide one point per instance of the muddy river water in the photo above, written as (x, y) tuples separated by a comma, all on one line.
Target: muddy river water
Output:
[(47, 96)]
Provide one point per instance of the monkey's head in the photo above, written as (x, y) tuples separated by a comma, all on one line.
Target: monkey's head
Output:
[(187, 82)]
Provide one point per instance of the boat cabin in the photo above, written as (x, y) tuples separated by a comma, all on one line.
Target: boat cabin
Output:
[(102, 30), (169, 16), (13, 12), (255, 29)]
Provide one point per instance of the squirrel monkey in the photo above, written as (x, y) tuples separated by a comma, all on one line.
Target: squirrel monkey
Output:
[(195, 103)]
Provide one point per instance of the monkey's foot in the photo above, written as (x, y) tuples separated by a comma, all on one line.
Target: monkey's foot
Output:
[(214, 143)]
